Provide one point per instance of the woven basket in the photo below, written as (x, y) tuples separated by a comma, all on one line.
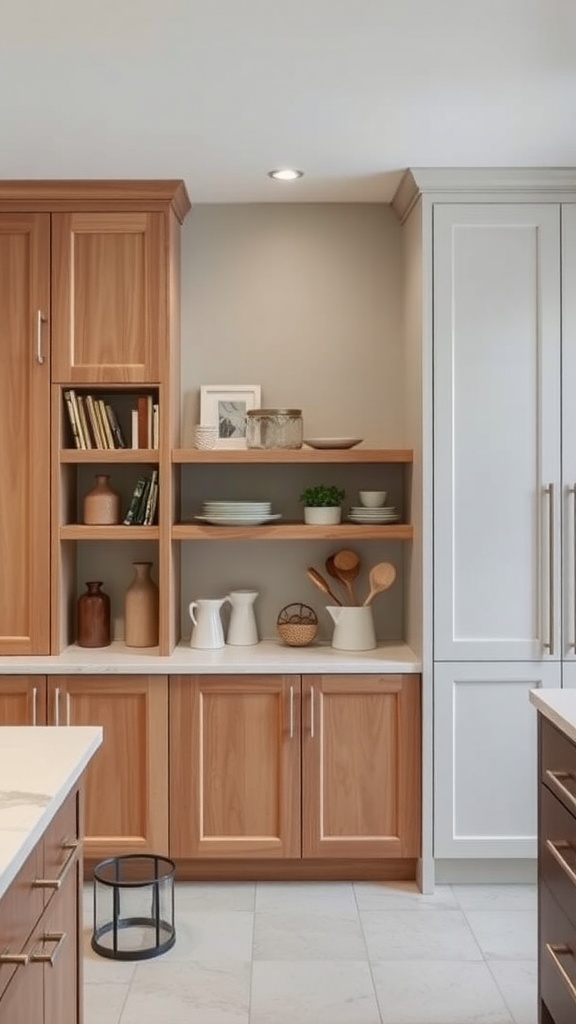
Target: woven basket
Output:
[(297, 634)]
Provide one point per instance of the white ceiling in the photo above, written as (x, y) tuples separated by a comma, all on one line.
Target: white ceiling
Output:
[(219, 91)]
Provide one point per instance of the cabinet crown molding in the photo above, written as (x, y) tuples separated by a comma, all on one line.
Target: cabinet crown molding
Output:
[(65, 194), (455, 182)]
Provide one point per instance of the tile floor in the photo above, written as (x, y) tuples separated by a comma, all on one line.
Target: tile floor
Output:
[(329, 953)]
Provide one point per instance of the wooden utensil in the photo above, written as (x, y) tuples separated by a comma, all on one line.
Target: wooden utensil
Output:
[(320, 582), (331, 570), (347, 567), (381, 576)]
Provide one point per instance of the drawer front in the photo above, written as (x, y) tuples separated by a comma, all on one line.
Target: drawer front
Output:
[(557, 852), (20, 909), (61, 845), (558, 764), (557, 959)]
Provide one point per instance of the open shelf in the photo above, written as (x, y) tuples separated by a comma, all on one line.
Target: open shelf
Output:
[(292, 531), (289, 455), (97, 455), (77, 531)]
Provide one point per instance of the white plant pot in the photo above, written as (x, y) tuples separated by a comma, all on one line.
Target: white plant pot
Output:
[(322, 515)]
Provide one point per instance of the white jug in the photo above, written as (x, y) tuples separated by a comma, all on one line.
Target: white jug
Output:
[(207, 632), (242, 629), (354, 628)]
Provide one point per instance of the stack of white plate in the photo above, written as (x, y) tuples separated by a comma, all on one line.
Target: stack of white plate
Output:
[(383, 514), (237, 513)]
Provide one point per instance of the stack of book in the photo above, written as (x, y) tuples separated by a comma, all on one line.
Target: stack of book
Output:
[(93, 421), (142, 507), (145, 423)]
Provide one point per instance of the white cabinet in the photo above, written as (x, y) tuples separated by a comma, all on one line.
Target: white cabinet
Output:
[(485, 760), (568, 438)]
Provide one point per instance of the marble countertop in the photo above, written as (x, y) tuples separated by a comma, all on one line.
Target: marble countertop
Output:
[(267, 656), (38, 769), (559, 706)]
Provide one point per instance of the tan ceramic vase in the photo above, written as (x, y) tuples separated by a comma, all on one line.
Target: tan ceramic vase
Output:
[(93, 618), (141, 606), (101, 503)]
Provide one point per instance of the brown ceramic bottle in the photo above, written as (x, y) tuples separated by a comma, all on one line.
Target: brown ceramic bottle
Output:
[(93, 627), (101, 503), (141, 606)]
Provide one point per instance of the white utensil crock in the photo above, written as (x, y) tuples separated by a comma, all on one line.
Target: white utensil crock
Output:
[(353, 628), (207, 632)]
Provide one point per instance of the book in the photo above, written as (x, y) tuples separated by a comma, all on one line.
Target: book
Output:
[(129, 518), (72, 418), (155, 424), (94, 421), (74, 399), (119, 441), (141, 510), (151, 499), (143, 435), (134, 427), (104, 423), (84, 420)]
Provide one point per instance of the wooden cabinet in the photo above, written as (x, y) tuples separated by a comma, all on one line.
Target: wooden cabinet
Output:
[(22, 700), (556, 877), (40, 914), (126, 783), (24, 433), (291, 767)]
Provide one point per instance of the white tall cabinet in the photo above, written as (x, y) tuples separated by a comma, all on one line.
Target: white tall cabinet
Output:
[(496, 259)]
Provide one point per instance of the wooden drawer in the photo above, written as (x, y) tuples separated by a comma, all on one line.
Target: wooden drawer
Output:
[(557, 959), (20, 909), (61, 844), (558, 764), (557, 842)]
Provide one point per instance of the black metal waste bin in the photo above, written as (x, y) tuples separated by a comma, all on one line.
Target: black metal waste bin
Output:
[(133, 907)]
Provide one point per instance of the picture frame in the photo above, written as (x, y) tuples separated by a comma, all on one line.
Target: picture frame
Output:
[(225, 406)]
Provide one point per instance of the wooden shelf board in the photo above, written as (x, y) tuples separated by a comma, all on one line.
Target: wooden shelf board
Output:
[(77, 455), (298, 455), (292, 531), (77, 531)]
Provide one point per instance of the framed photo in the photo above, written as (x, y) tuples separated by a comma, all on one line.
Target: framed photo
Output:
[(225, 406)]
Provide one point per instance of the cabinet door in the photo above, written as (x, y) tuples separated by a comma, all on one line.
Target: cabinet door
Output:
[(569, 430), (496, 432), (485, 744), (126, 786), (235, 766), (59, 941), (109, 297), (22, 700), (25, 433), (361, 766)]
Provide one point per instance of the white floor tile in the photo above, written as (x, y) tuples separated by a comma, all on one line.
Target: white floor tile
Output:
[(203, 993), (418, 934), (402, 896), (417, 992), (496, 897), (518, 983), (214, 896), (213, 935), (305, 897), (308, 937), (505, 934), (100, 969), (103, 1002), (313, 993)]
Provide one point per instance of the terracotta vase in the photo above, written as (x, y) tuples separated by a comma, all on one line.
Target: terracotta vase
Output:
[(101, 503), (141, 606), (93, 620)]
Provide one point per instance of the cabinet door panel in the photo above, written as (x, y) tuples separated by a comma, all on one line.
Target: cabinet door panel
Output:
[(569, 429), (361, 766), (485, 743), (24, 434), (109, 296), (235, 766), (22, 700), (126, 788), (496, 431)]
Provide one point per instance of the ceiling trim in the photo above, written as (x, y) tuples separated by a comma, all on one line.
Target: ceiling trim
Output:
[(63, 194)]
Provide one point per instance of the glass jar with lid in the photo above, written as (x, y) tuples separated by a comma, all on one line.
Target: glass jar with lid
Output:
[(274, 428)]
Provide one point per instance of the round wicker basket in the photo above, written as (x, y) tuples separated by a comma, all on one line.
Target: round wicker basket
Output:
[(297, 625)]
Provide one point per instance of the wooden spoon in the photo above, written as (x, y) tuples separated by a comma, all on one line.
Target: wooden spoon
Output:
[(382, 576), (331, 570), (320, 582), (347, 567)]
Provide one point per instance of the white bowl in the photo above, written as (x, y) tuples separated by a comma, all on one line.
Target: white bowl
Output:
[(372, 499)]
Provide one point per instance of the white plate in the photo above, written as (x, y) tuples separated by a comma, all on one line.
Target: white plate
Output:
[(332, 442), (233, 520), (374, 522), (383, 510), (244, 506)]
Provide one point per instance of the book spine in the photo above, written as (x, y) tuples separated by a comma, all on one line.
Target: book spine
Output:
[(81, 437), (105, 424), (148, 513), (142, 407), (129, 518), (72, 418), (115, 427), (134, 428), (94, 421), (155, 425), (141, 513), (84, 420)]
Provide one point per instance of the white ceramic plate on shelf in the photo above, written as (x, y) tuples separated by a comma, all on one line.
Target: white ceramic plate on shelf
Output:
[(235, 520), (333, 442)]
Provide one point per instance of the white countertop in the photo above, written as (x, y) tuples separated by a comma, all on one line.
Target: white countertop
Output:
[(38, 769), (559, 706), (267, 656)]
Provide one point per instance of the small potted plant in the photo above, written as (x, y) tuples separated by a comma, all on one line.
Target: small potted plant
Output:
[(322, 505)]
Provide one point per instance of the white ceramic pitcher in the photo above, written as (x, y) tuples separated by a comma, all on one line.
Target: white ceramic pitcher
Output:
[(207, 632), (353, 629), (242, 628)]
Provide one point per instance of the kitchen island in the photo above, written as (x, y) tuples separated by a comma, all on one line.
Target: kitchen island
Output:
[(41, 872), (556, 854)]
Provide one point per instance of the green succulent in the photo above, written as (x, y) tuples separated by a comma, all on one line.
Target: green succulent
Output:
[(322, 495)]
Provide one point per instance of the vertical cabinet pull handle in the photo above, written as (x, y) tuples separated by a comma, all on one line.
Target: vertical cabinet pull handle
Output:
[(34, 705), (572, 640), (549, 644), (67, 709), (311, 712), (291, 712), (40, 319), (57, 706)]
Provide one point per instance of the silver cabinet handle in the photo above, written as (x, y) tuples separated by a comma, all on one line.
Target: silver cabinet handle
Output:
[(555, 779), (549, 490), (57, 706), (311, 712), (48, 958), (34, 705), (555, 848), (572, 642), (55, 883), (67, 709), (40, 319), (555, 952), (291, 712)]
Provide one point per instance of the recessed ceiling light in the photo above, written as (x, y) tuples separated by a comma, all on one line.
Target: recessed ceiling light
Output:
[(285, 174)]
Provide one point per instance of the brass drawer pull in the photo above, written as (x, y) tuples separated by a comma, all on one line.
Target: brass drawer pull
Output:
[(55, 883), (49, 958), (555, 848), (554, 778), (556, 951), (20, 959)]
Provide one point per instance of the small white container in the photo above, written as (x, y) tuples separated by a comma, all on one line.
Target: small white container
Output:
[(322, 515), (372, 499)]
